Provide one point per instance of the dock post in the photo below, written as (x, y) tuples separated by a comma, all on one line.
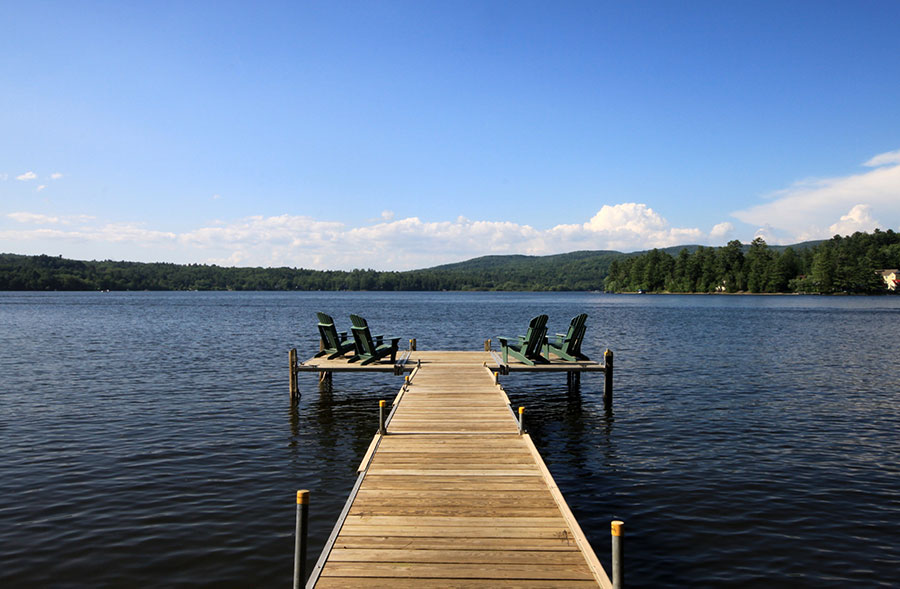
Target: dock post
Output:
[(412, 345), (608, 378), (521, 420), (618, 534), (300, 538), (487, 345), (292, 357), (381, 429)]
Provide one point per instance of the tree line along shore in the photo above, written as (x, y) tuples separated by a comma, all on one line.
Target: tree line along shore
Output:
[(850, 264)]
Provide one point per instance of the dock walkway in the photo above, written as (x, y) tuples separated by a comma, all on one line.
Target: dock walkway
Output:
[(453, 496)]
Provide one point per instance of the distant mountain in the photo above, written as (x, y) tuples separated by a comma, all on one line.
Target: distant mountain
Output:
[(520, 260), (580, 270)]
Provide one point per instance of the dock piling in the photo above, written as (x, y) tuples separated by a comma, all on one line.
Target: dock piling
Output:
[(487, 345), (292, 358), (608, 378), (381, 429), (301, 533), (618, 534), (412, 345), (521, 420)]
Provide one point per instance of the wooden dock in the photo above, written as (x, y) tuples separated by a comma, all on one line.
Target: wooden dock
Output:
[(452, 495)]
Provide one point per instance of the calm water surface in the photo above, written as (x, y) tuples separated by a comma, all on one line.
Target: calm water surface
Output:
[(148, 437)]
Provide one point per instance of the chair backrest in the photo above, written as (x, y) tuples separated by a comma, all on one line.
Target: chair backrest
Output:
[(575, 334), (365, 346), (534, 337), (328, 332)]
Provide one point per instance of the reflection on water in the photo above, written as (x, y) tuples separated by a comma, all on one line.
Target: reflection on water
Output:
[(151, 435)]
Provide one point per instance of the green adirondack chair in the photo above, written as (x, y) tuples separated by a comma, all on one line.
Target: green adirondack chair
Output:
[(527, 348), (336, 343), (568, 345), (371, 348)]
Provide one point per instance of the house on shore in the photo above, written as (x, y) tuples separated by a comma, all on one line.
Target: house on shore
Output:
[(891, 278)]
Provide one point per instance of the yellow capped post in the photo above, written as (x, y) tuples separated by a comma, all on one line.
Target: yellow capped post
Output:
[(381, 428), (521, 420), (301, 533), (618, 553)]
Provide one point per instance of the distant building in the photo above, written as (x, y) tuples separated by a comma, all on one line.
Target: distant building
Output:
[(891, 278)]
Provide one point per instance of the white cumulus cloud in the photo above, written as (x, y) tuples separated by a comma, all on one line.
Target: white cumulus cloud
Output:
[(634, 225), (55, 176), (809, 209), (721, 231), (858, 219), (26, 176)]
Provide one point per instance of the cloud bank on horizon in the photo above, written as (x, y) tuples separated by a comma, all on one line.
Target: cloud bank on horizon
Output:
[(812, 209)]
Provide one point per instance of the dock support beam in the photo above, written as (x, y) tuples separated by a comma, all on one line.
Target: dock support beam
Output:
[(618, 535), (292, 357), (608, 378), (300, 538)]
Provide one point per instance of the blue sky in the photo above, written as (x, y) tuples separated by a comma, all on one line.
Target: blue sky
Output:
[(397, 135)]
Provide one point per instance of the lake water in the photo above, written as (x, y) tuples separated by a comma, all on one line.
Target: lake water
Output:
[(148, 437)]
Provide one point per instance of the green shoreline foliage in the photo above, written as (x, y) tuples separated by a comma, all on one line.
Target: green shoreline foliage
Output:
[(838, 265), (841, 264)]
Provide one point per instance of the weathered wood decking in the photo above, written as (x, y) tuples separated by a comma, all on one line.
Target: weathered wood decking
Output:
[(453, 496)]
